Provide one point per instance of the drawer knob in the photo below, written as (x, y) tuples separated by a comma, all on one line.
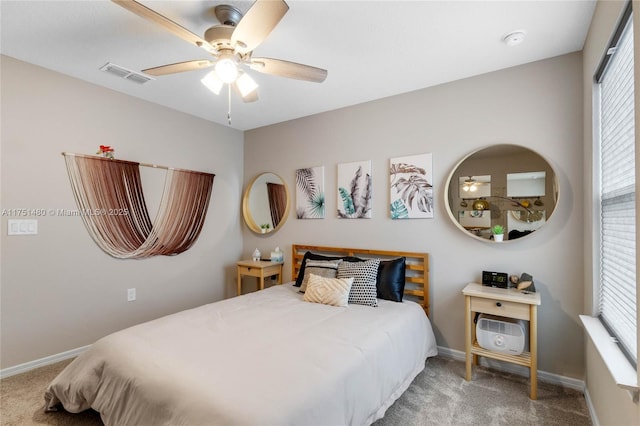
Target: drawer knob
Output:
[(498, 304)]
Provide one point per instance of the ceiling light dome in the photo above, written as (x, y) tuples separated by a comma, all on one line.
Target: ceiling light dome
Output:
[(227, 69)]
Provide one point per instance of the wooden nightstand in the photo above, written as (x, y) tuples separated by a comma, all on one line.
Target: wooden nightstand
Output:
[(508, 303), (259, 269)]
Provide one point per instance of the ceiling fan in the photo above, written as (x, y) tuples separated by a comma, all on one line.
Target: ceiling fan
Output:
[(471, 185), (231, 43)]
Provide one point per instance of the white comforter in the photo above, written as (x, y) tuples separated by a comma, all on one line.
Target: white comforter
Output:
[(265, 358)]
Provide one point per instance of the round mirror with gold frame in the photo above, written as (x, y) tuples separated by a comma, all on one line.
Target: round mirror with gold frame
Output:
[(506, 185), (265, 203)]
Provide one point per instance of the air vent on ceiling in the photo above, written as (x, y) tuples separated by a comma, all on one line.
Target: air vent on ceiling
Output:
[(125, 73)]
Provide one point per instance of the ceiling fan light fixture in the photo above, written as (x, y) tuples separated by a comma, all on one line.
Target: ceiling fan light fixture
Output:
[(246, 84), (212, 82), (469, 185), (227, 69)]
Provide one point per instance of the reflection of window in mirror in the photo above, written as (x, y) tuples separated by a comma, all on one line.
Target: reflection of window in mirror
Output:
[(472, 219), (531, 184), (475, 186)]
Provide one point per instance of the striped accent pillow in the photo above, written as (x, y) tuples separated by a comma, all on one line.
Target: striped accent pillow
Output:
[(323, 268), (328, 291)]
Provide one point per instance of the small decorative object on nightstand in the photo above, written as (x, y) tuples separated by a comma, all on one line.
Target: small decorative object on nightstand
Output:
[(259, 269), (256, 255), (277, 255), (525, 284), (508, 303)]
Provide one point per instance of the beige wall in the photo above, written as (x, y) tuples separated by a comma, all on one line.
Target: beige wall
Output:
[(612, 405), (538, 105), (59, 290)]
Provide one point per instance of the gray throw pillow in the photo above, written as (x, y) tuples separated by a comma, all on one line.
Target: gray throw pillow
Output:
[(321, 268)]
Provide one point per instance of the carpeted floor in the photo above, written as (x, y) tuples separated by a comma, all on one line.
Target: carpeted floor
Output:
[(438, 396), (441, 396), (22, 400)]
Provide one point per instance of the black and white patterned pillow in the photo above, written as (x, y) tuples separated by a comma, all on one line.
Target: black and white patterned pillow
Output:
[(363, 290)]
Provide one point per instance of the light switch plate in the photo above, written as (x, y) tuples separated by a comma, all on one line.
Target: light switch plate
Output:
[(22, 227)]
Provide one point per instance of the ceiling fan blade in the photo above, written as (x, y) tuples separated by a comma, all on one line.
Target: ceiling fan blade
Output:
[(288, 69), (179, 67), (168, 24), (261, 18), (249, 97)]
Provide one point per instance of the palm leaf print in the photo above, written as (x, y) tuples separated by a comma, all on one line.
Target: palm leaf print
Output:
[(316, 205), (306, 182), (347, 202), (416, 187), (399, 210), (410, 183)]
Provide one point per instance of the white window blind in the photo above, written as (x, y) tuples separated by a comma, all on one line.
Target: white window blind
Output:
[(617, 288)]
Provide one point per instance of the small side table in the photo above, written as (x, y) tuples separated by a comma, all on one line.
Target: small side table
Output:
[(259, 269), (508, 303)]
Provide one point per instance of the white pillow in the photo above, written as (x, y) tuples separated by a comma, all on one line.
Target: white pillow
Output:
[(328, 291)]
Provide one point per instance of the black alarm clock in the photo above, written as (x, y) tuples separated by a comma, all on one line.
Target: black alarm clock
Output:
[(495, 279)]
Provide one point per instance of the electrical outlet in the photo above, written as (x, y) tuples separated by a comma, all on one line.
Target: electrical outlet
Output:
[(131, 294)]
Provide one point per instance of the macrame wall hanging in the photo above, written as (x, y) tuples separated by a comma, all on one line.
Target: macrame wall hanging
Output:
[(111, 202)]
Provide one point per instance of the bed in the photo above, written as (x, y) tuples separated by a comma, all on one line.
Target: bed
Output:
[(264, 358)]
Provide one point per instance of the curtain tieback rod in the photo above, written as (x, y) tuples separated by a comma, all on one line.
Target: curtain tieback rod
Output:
[(154, 166)]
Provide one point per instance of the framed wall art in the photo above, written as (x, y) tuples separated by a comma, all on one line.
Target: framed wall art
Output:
[(411, 187), (310, 193), (354, 190)]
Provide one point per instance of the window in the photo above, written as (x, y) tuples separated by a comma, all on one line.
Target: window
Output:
[(615, 146)]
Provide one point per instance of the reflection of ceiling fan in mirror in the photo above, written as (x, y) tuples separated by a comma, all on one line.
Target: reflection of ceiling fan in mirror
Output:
[(471, 185), (231, 43)]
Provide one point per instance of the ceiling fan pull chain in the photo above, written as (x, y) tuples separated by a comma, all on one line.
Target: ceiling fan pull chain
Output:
[(229, 104)]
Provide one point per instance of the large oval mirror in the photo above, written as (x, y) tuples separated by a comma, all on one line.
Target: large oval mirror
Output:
[(265, 204), (506, 188)]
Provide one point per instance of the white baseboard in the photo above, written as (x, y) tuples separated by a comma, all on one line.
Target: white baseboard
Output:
[(32, 365), (592, 410), (543, 376)]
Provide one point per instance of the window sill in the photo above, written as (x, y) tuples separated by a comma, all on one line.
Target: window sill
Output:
[(623, 373)]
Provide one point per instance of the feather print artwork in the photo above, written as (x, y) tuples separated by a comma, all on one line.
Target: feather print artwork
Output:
[(354, 190)]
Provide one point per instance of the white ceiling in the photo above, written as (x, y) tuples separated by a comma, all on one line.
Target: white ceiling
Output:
[(372, 49)]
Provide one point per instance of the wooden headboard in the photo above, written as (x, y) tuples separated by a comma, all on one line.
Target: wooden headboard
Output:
[(416, 275)]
